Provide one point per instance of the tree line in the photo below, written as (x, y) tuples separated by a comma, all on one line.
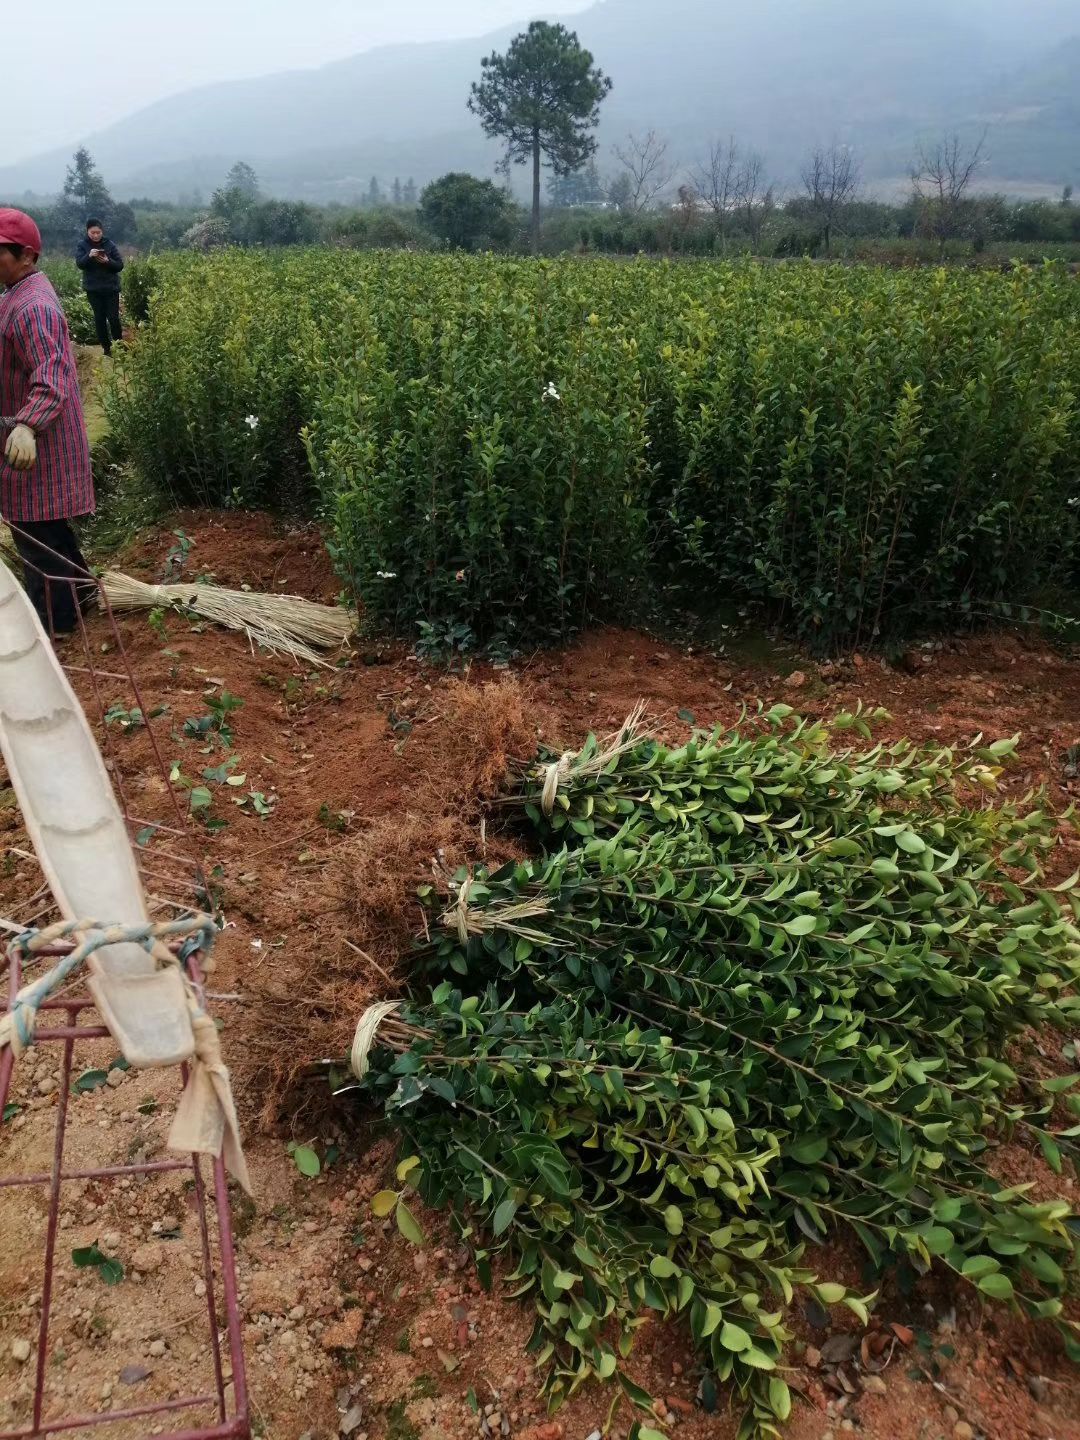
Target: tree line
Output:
[(542, 99)]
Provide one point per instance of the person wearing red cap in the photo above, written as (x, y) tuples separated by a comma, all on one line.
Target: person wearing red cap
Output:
[(45, 478)]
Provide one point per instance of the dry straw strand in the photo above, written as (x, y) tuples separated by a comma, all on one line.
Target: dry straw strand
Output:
[(573, 766)]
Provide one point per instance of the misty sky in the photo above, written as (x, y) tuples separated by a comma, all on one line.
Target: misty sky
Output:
[(92, 64)]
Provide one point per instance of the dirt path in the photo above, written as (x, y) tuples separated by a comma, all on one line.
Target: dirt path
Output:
[(339, 1311)]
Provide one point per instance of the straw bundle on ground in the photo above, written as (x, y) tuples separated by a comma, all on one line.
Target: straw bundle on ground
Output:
[(283, 623)]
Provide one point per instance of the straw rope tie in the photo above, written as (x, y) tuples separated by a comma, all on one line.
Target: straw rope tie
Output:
[(556, 775), (366, 1030)]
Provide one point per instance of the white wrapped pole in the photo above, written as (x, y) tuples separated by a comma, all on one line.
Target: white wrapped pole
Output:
[(82, 845)]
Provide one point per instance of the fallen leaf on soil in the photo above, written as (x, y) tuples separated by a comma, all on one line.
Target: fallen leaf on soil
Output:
[(838, 1348), (133, 1374), (903, 1333)]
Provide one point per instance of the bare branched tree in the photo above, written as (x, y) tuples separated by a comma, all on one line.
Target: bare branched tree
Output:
[(754, 199), (941, 176), (648, 168), (716, 182), (831, 178)]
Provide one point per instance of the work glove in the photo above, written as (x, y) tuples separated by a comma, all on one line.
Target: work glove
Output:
[(21, 448)]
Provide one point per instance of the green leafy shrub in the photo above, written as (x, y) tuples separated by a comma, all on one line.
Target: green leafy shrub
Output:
[(481, 448), (864, 449), (758, 989), (140, 279), (207, 402), (505, 450), (66, 280)]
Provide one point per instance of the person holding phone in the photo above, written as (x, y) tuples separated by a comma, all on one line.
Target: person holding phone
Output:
[(101, 262), (45, 475)]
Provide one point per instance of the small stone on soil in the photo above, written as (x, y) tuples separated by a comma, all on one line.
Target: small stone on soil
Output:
[(20, 1351), (351, 1421)]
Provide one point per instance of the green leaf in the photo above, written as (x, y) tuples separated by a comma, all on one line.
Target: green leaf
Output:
[(976, 1266), (779, 1398), (200, 798), (90, 1080), (87, 1255), (1051, 1151), (406, 1223), (938, 1240), (306, 1161), (662, 1267), (504, 1215), (111, 1271), (910, 842), (998, 1287), (801, 925), (757, 1359), (734, 1337), (809, 1150), (829, 1293), (406, 1167), (384, 1202), (673, 1220), (937, 1134)]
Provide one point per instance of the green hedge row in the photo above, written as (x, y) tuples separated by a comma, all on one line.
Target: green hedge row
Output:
[(505, 449)]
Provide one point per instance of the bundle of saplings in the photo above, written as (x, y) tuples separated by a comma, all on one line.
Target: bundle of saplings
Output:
[(755, 990)]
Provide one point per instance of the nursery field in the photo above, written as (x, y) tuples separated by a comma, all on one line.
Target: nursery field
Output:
[(716, 853), (504, 452)]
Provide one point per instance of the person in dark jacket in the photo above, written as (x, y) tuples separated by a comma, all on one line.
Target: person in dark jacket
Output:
[(101, 262)]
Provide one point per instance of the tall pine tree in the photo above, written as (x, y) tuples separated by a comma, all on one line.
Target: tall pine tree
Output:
[(542, 98)]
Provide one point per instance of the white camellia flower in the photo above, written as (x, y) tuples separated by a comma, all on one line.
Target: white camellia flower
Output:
[(252, 422), (386, 574), (550, 393)]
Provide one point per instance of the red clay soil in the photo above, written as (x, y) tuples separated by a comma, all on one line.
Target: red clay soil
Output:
[(367, 772)]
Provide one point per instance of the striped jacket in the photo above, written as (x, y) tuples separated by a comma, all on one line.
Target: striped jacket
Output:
[(39, 387)]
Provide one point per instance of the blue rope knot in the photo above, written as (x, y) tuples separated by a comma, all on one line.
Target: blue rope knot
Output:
[(24, 1018), (198, 933)]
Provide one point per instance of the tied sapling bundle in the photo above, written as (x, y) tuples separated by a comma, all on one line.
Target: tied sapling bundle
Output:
[(759, 990)]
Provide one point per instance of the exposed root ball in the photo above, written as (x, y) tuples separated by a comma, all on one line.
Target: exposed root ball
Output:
[(485, 732), (461, 762)]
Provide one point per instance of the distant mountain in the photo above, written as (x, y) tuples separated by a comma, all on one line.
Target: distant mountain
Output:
[(780, 74)]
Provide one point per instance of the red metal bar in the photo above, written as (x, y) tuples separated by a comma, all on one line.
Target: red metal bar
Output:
[(107, 1172), (69, 1032), (50, 1234), (109, 1417), (228, 1285), (208, 1267)]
